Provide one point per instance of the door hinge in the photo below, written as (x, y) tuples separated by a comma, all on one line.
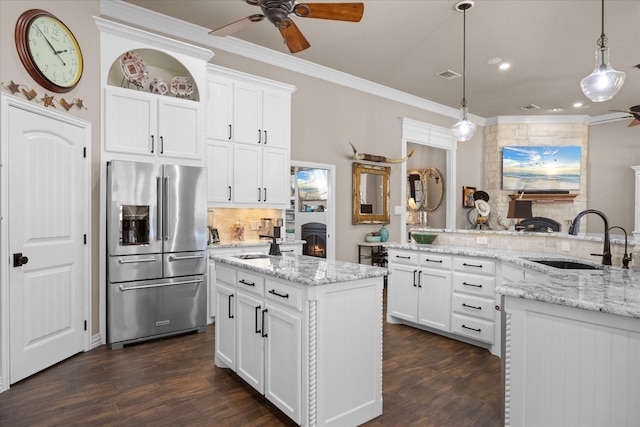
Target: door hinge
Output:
[(85, 325), (84, 152)]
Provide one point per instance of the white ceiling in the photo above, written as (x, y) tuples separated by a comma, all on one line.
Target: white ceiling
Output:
[(402, 44)]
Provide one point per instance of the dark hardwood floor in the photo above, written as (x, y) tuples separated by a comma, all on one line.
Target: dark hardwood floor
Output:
[(428, 380)]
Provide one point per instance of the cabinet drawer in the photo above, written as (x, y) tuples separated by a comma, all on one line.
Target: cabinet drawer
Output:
[(399, 257), (474, 284), (477, 329), (226, 275), (435, 261), (284, 294), (473, 306), (250, 282), (475, 265)]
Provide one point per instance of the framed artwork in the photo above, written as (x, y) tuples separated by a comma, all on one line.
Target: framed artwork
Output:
[(467, 197)]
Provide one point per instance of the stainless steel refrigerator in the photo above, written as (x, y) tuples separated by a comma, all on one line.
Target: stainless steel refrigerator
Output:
[(156, 249)]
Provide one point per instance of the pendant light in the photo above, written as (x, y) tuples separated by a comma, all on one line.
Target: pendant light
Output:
[(464, 129), (604, 82)]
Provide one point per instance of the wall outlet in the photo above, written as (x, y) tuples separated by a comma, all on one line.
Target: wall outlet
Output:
[(566, 246), (482, 240)]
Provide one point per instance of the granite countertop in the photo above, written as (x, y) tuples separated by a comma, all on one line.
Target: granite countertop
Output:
[(609, 289), (249, 243), (305, 270)]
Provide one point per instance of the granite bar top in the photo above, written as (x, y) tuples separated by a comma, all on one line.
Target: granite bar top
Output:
[(612, 290), (304, 270)]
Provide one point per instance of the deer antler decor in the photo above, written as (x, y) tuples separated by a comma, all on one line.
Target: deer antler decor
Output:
[(379, 159)]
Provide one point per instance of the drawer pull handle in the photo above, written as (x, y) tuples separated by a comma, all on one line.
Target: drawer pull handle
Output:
[(247, 283), (433, 260), (473, 329), (273, 292), (471, 284), (471, 306), (403, 257), (472, 265), (258, 331)]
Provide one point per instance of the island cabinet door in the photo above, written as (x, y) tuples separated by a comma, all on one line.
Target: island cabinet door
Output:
[(250, 361), (225, 340), (402, 293), (283, 357), (435, 299)]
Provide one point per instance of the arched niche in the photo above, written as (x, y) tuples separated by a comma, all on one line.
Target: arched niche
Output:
[(158, 64)]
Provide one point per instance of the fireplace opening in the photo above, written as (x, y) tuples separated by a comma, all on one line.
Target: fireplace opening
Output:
[(315, 234)]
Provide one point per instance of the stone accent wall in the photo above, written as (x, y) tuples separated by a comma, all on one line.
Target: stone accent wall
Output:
[(510, 134)]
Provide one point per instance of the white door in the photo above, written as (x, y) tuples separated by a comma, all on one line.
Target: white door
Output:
[(47, 220)]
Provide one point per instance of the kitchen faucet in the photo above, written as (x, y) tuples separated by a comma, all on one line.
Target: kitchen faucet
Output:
[(606, 250), (274, 248), (626, 258)]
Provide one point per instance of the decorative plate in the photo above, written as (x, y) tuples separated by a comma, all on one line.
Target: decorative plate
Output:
[(134, 68), (181, 86), (158, 86)]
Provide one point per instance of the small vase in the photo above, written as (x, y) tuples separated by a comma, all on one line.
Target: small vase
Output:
[(384, 234)]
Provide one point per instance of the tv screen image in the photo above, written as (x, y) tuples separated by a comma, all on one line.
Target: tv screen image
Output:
[(541, 168), (312, 184)]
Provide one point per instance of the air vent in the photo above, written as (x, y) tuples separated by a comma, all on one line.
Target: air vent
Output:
[(448, 75), (529, 107)]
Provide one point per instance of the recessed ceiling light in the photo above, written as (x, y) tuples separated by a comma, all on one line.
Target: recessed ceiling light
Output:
[(504, 66), (578, 105)]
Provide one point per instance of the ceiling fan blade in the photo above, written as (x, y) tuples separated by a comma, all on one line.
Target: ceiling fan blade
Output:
[(236, 26), (293, 37), (337, 11), (634, 122)]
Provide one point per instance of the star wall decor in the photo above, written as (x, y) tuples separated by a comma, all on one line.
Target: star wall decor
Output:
[(48, 101)]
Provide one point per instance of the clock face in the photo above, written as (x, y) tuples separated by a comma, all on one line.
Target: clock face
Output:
[(49, 51)]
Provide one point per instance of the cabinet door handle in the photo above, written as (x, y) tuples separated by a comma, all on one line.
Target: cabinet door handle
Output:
[(471, 306), (265, 138), (419, 279), (229, 193), (259, 194), (264, 332), (414, 278), (258, 331), (286, 250), (152, 143), (472, 265), (230, 315), (247, 283), (403, 257), (471, 284), (259, 136), (265, 193), (229, 132), (472, 329), (162, 145), (439, 261), (273, 292)]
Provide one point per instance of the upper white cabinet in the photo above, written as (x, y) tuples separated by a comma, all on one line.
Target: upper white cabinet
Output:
[(248, 129), (148, 124)]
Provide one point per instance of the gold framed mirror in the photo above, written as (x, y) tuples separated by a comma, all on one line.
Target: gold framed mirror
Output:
[(370, 202), (425, 189)]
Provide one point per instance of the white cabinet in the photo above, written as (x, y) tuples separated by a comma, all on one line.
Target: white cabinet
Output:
[(225, 337), (258, 175), (419, 289), (152, 125), (220, 171), (219, 101)]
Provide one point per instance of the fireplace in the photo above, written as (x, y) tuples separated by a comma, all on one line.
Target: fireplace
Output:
[(315, 234)]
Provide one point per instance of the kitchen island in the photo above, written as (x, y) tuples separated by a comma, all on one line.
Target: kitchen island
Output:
[(305, 332)]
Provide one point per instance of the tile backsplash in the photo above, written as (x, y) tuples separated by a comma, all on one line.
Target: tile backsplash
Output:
[(225, 220)]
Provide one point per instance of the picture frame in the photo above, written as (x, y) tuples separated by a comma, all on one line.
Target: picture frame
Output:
[(467, 197)]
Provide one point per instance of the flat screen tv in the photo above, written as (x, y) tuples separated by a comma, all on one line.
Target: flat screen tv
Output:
[(312, 184), (541, 168)]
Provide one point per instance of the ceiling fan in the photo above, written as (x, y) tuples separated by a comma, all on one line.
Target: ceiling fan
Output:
[(635, 113), (277, 12)]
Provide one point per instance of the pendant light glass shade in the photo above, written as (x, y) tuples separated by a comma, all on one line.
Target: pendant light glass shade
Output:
[(464, 129), (604, 82)]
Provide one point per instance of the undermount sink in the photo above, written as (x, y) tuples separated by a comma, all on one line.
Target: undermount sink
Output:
[(251, 256), (566, 265)]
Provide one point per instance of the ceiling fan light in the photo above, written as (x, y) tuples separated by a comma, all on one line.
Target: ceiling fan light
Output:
[(464, 129), (604, 82)]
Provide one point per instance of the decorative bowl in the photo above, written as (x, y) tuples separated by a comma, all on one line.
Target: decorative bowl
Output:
[(423, 238), (372, 239)]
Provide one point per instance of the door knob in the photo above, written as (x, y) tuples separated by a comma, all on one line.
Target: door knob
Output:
[(19, 260)]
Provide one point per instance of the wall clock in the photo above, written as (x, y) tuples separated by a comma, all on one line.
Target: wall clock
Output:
[(48, 50)]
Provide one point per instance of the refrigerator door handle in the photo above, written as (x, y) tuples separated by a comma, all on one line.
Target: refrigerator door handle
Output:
[(165, 206), (180, 258), (160, 216), (159, 285)]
